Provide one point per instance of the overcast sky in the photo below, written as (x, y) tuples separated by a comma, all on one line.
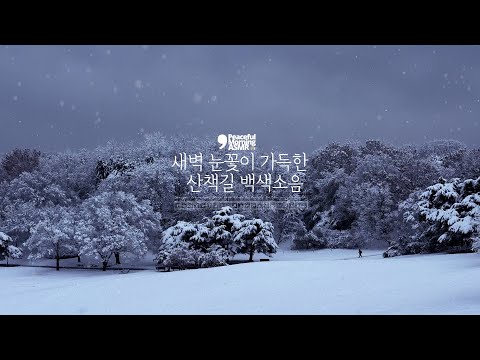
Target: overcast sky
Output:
[(297, 97)]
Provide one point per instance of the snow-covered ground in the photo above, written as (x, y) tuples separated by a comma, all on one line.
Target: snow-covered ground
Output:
[(320, 282)]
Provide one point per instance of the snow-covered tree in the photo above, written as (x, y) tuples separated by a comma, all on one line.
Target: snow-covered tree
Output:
[(19, 161), (57, 235), (220, 228), (187, 244), (72, 171), (7, 249), (289, 226), (115, 223), (19, 219), (408, 236), (253, 236), (446, 216), (181, 232), (25, 197), (374, 208), (305, 239), (285, 217), (152, 181)]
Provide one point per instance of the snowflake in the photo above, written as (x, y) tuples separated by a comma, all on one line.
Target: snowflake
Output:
[(197, 98)]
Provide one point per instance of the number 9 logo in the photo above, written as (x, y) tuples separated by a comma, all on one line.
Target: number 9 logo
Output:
[(222, 140)]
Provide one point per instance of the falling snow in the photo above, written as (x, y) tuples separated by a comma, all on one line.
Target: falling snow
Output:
[(197, 98)]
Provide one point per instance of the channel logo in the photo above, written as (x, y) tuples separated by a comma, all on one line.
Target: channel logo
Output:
[(237, 142)]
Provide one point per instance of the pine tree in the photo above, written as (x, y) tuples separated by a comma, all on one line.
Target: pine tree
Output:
[(253, 236), (220, 228)]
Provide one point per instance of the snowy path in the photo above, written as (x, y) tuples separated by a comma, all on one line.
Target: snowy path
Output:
[(294, 283)]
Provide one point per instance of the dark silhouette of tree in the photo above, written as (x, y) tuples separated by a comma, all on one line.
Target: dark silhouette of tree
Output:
[(19, 161)]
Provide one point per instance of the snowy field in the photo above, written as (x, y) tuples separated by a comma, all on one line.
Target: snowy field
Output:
[(320, 282)]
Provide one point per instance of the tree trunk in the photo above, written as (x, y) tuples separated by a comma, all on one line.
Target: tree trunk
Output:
[(78, 258), (252, 250), (105, 263), (117, 258), (58, 263)]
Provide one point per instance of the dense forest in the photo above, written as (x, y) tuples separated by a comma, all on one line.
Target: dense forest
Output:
[(118, 199)]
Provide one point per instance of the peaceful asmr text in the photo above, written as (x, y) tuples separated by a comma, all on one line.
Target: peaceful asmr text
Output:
[(238, 142)]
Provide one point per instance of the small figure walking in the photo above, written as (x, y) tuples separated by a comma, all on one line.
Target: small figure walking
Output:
[(359, 253)]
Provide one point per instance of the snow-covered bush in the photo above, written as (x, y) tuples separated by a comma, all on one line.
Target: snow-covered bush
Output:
[(179, 256), (392, 251), (211, 243), (215, 256), (176, 246), (185, 245), (7, 250)]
